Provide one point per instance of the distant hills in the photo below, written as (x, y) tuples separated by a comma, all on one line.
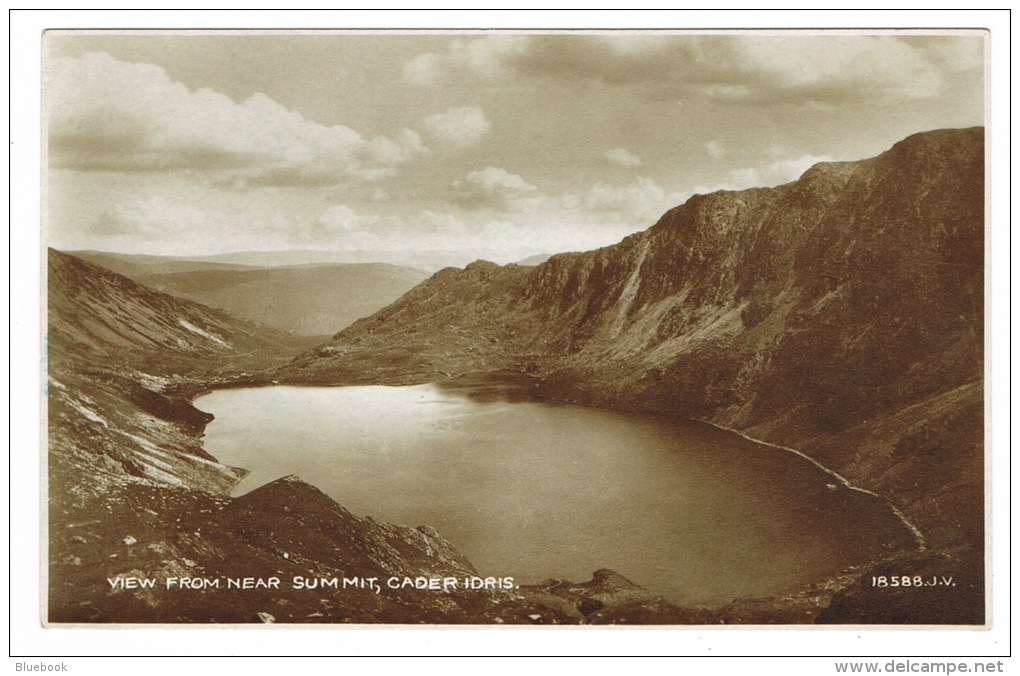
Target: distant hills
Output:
[(133, 265), (308, 300), (429, 260)]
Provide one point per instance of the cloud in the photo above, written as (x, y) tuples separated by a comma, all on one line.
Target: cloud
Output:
[(424, 70), (715, 149), (109, 115), (639, 203), (833, 67), (179, 225), (458, 126), (957, 54), (749, 68), (507, 237), (523, 222), (619, 60), (487, 57), (192, 224), (153, 218), (336, 219), (341, 228), (623, 158), (387, 152), (490, 187), (767, 174)]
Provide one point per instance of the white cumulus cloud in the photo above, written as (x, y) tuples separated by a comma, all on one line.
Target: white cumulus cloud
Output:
[(462, 126), (623, 158), (491, 186), (109, 115), (486, 57), (644, 200)]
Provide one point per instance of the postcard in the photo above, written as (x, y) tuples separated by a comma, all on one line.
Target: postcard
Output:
[(525, 328)]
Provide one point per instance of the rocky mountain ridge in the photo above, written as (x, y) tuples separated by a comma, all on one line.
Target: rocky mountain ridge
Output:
[(841, 315)]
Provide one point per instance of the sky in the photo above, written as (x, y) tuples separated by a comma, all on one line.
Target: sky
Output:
[(494, 145)]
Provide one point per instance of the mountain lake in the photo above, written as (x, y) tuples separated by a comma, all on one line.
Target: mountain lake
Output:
[(538, 491)]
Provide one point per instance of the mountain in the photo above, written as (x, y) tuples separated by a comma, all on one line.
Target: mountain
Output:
[(309, 299), (133, 496), (316, 300), (116, 351), (840, 315), (96, 314)]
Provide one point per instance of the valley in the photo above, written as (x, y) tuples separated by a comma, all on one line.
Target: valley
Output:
[(841, 315), (312, 301)]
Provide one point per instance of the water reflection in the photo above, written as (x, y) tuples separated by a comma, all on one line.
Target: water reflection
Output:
[(538, 491)]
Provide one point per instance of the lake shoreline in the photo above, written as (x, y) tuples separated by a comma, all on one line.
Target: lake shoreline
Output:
[(918, 536), (513, 388)]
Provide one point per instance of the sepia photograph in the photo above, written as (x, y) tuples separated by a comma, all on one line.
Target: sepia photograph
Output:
[(669, 328)]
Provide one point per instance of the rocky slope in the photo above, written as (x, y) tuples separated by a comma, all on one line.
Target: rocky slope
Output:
[(133, 495), (117, 352), (142, 527), (841, 314), (98, 315)]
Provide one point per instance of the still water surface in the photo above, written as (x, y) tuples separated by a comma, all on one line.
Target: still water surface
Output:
[(536, 491)]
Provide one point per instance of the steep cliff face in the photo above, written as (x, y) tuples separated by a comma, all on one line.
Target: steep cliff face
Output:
[(841, 314)]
